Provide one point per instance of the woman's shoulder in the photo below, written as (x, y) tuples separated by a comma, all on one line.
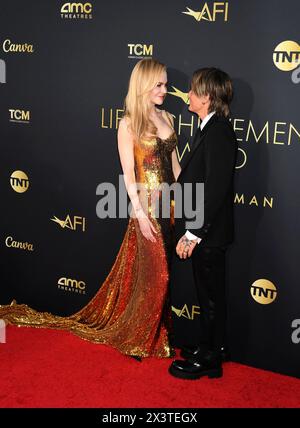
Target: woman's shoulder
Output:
[(169, 116)]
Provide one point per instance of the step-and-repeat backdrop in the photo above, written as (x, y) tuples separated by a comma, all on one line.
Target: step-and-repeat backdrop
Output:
[(64, 70)]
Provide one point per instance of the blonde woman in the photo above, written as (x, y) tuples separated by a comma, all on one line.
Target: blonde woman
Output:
[(130, 311)]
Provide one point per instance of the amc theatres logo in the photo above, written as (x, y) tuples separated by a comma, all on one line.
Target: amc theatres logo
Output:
[(73, 285), (210, 12), (140, 51), (76, 11)]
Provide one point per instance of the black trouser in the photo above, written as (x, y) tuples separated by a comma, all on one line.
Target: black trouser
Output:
[(209, 275)]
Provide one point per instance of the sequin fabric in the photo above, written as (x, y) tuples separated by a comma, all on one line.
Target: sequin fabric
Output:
[(131, 310)]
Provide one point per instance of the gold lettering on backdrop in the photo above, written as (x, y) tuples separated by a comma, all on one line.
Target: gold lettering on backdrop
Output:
[(186, 147), (257, 138), (8, 46), (77, 221), (269, 131), (186, 313), (276, 133), (207, 14), (9, 242), (239, 199), (74, 285), (19, 115)]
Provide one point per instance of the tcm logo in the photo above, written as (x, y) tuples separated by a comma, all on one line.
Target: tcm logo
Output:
[(9, 46), (19, 116), (210, 13), (2, 71), (263, 291), (73, 285), (186, 313), (2, 331), (11, 243), (286, 57), (73, 224), (76, 11), (139, 50), (296, 332), (19, 181)]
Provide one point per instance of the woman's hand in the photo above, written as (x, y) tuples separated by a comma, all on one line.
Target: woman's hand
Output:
[(146, 227)]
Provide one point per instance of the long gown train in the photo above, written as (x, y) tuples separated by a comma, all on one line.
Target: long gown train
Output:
[(131, 310)]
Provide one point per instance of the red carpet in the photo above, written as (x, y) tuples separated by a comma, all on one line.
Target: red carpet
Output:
[(49, 368)]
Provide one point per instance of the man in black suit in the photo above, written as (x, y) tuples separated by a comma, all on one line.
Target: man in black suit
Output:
[(211, 161)]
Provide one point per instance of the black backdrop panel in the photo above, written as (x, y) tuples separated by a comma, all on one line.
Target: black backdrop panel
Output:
[(60, 99)]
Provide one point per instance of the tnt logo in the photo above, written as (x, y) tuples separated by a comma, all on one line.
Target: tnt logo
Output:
[(263, 291), (2, 331), (22, 116), (139, 50), (286, 57), (19, 181)]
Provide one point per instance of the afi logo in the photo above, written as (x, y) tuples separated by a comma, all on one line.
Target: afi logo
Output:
[(139, 50), (73, 224), (210, 14), (186, 313)]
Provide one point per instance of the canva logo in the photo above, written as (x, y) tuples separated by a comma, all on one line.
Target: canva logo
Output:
[(263, 291), (210, 12), (9, 46), (12, 243), (19, 181), (286, 57), (296, 331)]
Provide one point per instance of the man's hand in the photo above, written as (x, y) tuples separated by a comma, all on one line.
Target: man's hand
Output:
[(185, 247)]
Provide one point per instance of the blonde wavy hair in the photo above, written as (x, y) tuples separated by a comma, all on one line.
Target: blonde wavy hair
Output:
[(143, 79)]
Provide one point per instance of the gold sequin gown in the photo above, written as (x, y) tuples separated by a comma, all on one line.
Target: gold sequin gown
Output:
[(131, 310)]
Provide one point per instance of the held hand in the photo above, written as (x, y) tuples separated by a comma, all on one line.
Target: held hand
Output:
[(146, 227), (185, 247)]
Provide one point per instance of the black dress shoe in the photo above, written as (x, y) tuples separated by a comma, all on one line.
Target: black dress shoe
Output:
[(196, 353), (192, 370)]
